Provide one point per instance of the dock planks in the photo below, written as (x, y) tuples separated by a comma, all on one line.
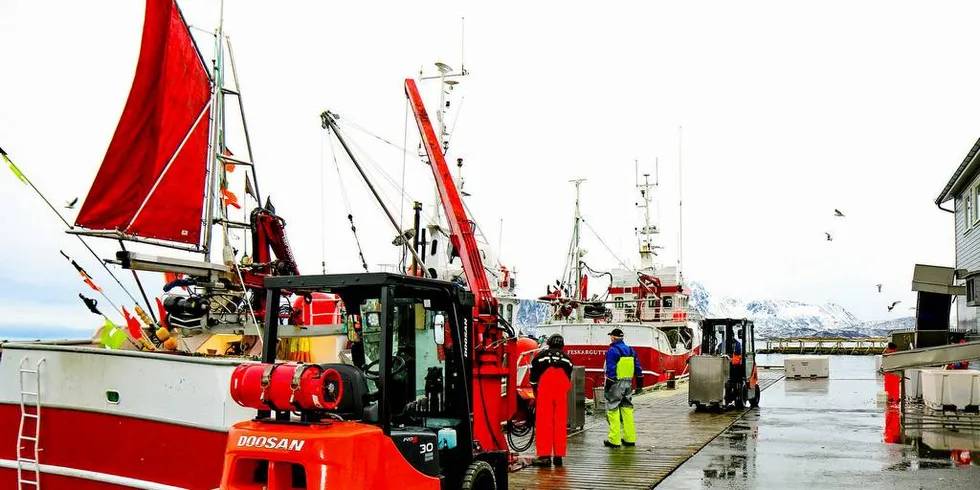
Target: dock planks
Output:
[(668, 432)]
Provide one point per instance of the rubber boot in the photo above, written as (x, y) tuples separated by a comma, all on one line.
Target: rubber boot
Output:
[(542, 461)]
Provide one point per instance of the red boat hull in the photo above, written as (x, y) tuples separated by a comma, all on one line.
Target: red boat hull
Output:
[(110, 445), (655, 364)]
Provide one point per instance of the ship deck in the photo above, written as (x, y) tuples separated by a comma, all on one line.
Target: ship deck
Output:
[(668, 433)]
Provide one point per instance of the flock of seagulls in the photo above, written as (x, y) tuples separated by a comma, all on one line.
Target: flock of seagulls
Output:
[(830, 238)]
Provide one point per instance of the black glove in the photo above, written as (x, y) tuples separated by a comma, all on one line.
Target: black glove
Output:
[(639, 385)]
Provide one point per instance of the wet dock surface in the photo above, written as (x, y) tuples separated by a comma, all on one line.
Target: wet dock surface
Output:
[(831, 433), (668, 433)]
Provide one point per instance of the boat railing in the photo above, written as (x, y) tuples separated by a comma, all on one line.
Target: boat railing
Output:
[(665, 315)]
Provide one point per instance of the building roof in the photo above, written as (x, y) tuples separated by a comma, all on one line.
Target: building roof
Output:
[(966, 169)]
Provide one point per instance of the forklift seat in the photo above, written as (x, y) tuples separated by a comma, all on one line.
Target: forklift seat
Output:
[(355, 402)]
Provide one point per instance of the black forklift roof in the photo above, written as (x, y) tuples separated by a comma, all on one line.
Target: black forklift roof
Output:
[(320, 282)]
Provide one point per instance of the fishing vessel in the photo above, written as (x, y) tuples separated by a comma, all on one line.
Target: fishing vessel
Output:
[(650, 304), (128, 408)]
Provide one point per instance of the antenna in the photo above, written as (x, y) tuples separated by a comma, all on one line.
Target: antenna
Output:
[(462, 45)]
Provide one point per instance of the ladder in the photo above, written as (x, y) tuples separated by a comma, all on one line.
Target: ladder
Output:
[(30, 410)]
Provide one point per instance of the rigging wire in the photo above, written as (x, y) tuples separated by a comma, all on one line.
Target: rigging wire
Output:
[(350, 216), (604, 244), (449, 139), (401, 217), (19, 173), (323, 209)]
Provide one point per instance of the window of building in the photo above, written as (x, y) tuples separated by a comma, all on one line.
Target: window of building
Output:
[(975, 191), (968, 209), (971, 291)]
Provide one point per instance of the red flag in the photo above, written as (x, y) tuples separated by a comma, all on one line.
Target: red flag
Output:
[(163, 314), (230, 199), (85, 277), (229, 167), (132, 323)]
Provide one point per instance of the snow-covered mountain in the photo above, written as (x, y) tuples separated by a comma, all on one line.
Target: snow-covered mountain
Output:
[(786, 318)]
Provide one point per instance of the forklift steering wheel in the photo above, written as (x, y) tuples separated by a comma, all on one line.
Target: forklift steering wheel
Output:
[(399, 365)]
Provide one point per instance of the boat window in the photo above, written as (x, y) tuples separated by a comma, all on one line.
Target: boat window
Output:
[(668, 302), (510, 314), (435, 246), (652, 303), (619, 302)]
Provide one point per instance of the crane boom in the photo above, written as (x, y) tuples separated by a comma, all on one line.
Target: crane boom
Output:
[(460, 226), (494, 358)]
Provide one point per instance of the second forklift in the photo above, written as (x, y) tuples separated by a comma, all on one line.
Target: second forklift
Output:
[(725, 372)]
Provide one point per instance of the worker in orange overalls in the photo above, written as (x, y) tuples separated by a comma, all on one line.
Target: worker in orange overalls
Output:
[(551, 378), (891, 379)]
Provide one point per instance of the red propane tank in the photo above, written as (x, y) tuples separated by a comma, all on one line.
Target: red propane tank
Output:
[(286, 386)]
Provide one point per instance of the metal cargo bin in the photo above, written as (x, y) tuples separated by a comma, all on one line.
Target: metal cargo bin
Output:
[(807, 366), (576, 399), (707, 379)]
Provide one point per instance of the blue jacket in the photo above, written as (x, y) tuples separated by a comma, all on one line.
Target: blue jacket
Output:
[(617, 350)]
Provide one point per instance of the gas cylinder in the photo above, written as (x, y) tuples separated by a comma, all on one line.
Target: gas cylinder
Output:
[(286, 386)]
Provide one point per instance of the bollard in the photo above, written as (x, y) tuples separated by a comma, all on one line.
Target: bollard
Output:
[(671, 380)]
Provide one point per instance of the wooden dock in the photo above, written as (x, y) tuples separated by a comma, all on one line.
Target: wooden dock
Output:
[(668, 433)]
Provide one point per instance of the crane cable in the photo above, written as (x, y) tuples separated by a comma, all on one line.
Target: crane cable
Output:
[(350, 215)]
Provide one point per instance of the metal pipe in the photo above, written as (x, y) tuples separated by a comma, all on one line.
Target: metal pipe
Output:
[(940, 206), (241, 109), (327, 120), (417, 207), (214, 136), (139, 284)]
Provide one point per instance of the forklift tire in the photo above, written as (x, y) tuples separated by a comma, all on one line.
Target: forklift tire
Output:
[(698, 407), (479, 476), (754, 401), (739, 400)]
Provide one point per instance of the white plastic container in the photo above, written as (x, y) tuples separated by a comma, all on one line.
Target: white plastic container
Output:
[(807, 366), (913, 384), (958, 388)]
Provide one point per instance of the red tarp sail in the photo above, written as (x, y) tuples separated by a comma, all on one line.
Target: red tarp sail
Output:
[(142, 188)]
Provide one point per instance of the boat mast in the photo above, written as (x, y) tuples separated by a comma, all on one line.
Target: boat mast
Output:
[(577, 252), (680, 205), (647, 247), (216, 136)]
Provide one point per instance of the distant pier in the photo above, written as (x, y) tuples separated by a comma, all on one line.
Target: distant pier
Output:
[(825, 346)]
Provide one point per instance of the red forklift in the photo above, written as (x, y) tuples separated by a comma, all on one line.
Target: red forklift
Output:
[(431, 386), (401, 416)]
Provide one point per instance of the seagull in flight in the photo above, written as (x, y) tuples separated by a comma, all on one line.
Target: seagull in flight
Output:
[(829, 238), (879, 287), (838, 214), (893, 305), (71, 204)]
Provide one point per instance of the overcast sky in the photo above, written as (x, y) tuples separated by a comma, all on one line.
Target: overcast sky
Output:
[(789, 110)]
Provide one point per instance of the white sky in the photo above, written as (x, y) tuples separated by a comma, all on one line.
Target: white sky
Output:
[(789, 110)]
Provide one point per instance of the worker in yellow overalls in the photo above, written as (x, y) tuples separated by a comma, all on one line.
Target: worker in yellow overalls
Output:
[(622, 365)]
